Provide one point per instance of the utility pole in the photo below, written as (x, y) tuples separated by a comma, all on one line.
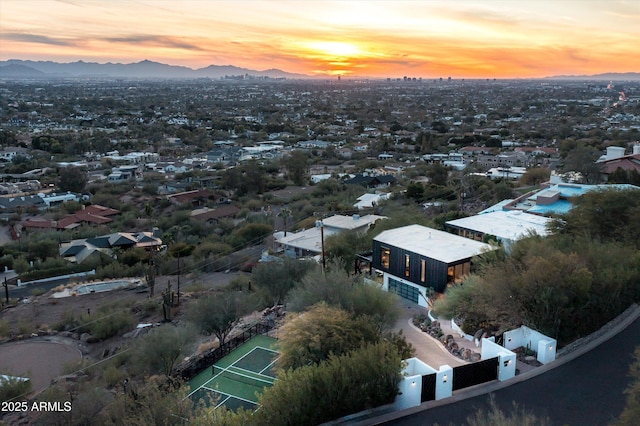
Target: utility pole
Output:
[(320, 224), (178, 298), (6, 289)]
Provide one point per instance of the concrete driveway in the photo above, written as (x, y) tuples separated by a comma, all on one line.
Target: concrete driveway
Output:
[(428, 349)]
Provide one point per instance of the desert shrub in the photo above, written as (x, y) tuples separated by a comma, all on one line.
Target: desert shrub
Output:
[(111, 325), (38, 291), (66, 322), (5, 329), (113, 375), (13, 387), (6, 261), (107, 321)]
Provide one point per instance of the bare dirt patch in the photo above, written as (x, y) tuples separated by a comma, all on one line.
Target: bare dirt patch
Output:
[(40, 360)]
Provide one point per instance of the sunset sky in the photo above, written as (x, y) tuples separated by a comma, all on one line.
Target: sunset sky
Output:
[(426, 38)]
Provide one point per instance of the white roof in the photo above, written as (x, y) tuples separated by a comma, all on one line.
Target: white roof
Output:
[(309, 239), (351, 222), (509, 225), (432, 243), (367, 200)]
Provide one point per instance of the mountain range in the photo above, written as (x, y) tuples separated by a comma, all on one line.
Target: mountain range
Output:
[(15, 68), (21, 69)]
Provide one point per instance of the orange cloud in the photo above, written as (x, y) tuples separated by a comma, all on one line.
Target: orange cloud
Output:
[(378, 39)]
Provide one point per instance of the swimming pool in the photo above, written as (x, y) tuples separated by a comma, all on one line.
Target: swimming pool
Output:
[(95, 287)]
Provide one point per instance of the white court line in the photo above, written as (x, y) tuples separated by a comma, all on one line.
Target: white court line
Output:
[(228, 395), (266, 378), (269, 366)]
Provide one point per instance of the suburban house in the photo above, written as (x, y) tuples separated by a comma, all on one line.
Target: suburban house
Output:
[(77, 251), (309, 242), (122, 173), (13, 204), (93, 214), (506, 227), (52, 200), (371, 182), (197, 197), (616, 159), (224, 155), (212, 216), (366, 201), (506, 172), (415, 258)]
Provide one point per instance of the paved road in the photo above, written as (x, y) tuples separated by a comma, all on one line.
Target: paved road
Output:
[(587, 390)]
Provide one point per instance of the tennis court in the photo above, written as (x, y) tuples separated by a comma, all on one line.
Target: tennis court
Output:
[(235, 380)]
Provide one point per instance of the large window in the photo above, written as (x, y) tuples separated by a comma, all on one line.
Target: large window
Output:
[(458, 272), (385, 255), (407, 270)]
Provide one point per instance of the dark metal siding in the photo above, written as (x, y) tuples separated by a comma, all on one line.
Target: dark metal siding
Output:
[(436, 274)]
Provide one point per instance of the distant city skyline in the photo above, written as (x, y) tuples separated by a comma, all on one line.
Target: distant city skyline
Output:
[(430, 38)]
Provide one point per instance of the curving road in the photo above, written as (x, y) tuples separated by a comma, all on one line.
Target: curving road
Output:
[(587, 390)]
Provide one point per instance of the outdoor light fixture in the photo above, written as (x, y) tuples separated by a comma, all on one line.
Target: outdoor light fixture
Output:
[(413, 383), (444, 379)]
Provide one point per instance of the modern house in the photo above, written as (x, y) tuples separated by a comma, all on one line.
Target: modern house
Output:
[(415, 258), (506, 227)]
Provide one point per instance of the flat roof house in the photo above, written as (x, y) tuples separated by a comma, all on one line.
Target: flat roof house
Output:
[(309, 242), (414, 258), (506, 226)]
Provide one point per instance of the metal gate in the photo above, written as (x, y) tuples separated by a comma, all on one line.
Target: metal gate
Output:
[(475, 373), (428, 388)]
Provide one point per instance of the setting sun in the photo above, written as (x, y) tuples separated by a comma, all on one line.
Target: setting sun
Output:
[(373, 39), (335, 48)]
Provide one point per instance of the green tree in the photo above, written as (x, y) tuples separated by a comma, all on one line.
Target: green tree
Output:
[(72, 179), (631, 414), (310, 337), (582, 159), (438, 174), (217, 314), (343, 248), (535, 176), (415, 191), (348, 293), (276, 279), (607, 215), (296, 164), (363, 378), (21, 265), (159, 351)]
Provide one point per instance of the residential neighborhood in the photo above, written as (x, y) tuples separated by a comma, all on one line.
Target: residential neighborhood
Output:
[(463, 210)]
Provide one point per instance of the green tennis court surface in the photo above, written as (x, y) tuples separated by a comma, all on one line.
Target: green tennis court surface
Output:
[(235, 380)]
